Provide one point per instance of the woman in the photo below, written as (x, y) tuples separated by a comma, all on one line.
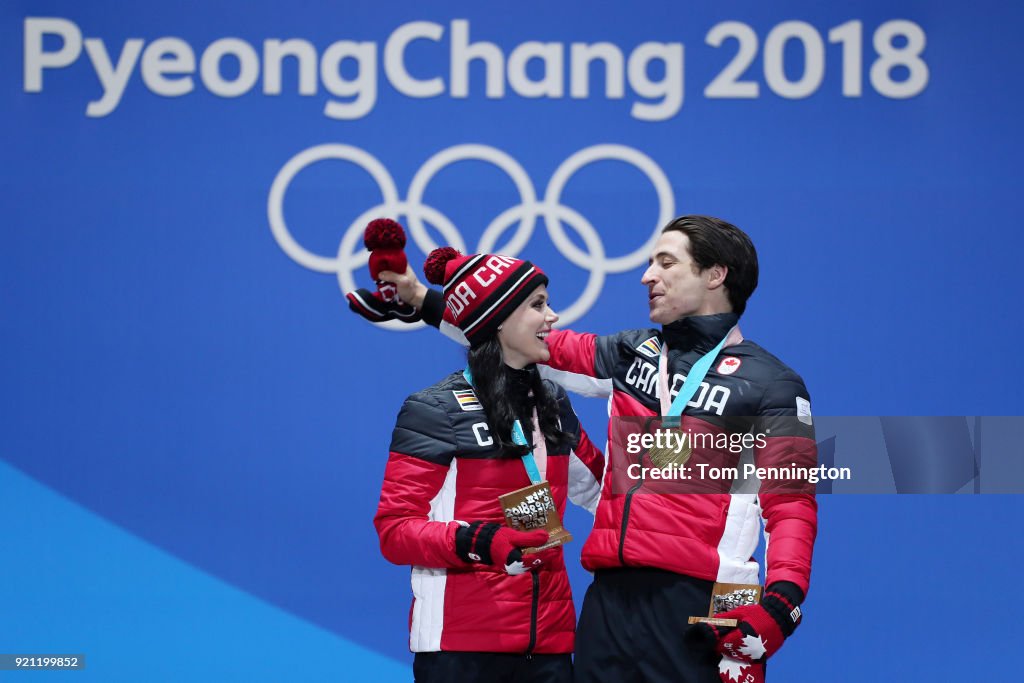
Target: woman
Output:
[(482, 610)]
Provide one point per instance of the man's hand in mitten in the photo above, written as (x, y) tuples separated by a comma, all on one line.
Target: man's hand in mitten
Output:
[(761, 629), (499, 546), (406, 284)]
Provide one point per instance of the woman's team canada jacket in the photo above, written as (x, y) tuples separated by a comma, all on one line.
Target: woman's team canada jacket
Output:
[(444, 468)]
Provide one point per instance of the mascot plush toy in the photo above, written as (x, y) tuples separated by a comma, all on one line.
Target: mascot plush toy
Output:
[(385, 239)]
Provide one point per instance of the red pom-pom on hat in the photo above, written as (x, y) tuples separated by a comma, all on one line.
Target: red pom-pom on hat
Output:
[(384, 233), (434, 266)]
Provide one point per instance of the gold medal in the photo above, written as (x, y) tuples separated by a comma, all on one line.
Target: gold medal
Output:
[(675, 450)]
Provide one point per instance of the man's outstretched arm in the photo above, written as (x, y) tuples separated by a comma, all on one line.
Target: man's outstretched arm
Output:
[(581, 362)]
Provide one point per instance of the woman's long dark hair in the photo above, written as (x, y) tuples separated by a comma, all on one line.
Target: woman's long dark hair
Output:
[(505, 394)]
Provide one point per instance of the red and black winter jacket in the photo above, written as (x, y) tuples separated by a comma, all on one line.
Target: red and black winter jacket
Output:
[(443, 469), (713, 535)]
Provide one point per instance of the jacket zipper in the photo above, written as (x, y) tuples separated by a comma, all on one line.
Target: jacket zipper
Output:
[(625, 508), (533, 611)]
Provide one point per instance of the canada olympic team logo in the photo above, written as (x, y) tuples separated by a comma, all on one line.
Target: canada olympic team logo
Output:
[(352, 255)]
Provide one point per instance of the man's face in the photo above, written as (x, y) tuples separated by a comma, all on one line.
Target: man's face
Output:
[(674, 286)]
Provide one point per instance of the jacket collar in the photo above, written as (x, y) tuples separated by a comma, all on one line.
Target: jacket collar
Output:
[(698, 332)]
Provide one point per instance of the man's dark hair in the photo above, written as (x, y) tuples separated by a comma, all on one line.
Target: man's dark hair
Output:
[(713, 241)]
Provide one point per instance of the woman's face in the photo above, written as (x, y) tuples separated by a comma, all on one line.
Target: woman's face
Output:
[(523, 335)]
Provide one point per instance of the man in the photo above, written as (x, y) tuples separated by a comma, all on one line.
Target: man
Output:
[(657, 557)]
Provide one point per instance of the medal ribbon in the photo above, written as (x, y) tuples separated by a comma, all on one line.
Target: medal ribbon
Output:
[(519, 438), (693, 378)]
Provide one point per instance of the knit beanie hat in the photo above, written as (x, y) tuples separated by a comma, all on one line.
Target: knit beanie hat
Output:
[(481, 290)]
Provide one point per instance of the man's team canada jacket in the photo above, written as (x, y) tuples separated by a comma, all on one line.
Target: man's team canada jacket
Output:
[(444, 468), (709, 536)]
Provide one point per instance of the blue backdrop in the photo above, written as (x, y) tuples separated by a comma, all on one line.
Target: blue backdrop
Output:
[(194, 428)]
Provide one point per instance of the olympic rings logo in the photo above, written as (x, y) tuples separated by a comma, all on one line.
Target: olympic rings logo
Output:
[(352, 255)]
